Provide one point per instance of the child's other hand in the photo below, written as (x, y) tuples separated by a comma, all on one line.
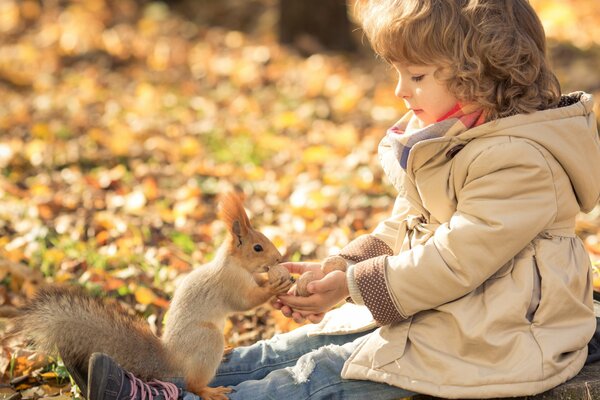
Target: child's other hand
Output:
[(297, 316), (326, 293)]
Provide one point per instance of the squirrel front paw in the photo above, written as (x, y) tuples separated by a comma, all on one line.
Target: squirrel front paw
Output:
[(280, 279)]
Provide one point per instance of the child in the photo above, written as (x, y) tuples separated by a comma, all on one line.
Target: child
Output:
[(477, 284)]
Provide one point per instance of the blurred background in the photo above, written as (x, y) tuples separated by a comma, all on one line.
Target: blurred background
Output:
[(121, 120)]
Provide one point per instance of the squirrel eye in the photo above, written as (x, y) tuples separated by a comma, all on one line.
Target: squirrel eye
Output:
[(258, 247)]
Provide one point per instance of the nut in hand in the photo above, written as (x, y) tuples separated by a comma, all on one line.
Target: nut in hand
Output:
[(334, 263), (278, 273), (304, 280)]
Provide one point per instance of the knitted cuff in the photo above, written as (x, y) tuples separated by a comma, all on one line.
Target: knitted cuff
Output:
[(365, 247), (355, 296), (369, 276)]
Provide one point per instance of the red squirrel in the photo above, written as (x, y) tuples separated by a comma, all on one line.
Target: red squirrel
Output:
[(77, 325)]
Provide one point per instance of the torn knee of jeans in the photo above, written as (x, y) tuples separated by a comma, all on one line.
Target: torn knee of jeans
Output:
[(306, 364)]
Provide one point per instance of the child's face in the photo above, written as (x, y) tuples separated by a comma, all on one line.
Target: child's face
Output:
[(423, 93)]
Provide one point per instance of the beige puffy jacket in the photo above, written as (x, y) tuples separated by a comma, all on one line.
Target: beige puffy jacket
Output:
[(485, 289)]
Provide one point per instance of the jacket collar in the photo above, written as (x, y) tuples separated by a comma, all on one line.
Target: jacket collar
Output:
[(568, 132)]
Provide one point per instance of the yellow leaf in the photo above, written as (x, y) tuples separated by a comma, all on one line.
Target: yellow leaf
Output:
[(120, 140), (316, 154), (286, 119), (345, 136), (278, 241), (41, 131), (315, 225), (54, 255), (190, 147), (63, 277), (145, 296), (255, 173), (347, 98), (167, 215), (274, 143)]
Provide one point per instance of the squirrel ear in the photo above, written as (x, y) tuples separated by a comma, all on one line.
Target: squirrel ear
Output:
[(236, 230), (231, 211)]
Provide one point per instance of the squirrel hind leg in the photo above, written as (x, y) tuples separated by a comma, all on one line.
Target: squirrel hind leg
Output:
[(216, 393), (199, 385)]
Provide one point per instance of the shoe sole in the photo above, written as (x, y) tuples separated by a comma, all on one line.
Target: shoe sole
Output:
[(94, 392)]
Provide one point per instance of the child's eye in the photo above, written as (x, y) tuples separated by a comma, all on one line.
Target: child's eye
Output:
[(417, 78)]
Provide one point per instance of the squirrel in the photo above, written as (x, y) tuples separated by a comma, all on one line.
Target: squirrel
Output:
[(192, 345)]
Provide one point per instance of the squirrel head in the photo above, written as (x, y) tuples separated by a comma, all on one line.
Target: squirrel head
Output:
[(252, 250)]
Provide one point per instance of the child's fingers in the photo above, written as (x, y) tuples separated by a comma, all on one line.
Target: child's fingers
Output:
[(310, 304), (286, 311), (276, 304), (315, 318), (327, 283), (298, 318), (300, 267)]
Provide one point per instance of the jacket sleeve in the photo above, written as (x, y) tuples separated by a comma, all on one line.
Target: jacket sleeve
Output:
[(507, 198), (385, 240)]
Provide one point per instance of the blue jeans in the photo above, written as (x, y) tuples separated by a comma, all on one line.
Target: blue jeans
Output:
[(296, 366)]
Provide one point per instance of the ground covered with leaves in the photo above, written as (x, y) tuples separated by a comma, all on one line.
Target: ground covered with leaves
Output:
[(120, 123)]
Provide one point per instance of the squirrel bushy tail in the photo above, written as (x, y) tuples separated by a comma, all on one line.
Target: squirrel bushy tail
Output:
[(76, 325)]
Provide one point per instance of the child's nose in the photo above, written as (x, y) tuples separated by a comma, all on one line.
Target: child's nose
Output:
[(401, 91)]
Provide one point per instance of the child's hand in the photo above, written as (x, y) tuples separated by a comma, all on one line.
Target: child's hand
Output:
[(299, 317), (301, 267), (326, 293)]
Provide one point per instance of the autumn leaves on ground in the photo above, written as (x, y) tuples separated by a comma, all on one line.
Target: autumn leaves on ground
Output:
[(120, 123)]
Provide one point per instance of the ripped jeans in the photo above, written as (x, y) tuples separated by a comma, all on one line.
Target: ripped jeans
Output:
[(296, 366)]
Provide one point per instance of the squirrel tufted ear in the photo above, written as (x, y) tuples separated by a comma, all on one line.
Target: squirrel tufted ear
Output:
[(231, 211)]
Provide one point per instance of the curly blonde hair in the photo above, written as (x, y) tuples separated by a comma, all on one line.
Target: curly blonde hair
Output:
[(489, 52)]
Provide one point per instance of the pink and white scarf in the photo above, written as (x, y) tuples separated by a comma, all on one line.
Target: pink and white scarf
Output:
[(404, 134)]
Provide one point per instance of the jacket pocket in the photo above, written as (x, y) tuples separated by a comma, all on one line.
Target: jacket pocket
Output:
[(389, 344), (536, 291)]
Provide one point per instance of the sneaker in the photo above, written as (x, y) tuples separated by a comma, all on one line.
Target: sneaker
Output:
[(108, 381)]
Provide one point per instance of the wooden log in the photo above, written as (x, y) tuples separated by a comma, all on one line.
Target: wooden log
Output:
[(584, 386)]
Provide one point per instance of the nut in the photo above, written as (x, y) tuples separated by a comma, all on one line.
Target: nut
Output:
[(304, 280), (333, 263), (278, 273)]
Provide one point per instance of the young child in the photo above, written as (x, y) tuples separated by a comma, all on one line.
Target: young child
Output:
[(477, 284)]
